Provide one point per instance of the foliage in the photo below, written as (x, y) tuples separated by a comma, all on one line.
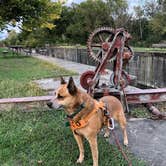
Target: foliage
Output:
[(159, 24), (90, 15), (147, 25), (12, 38), (32, 13)]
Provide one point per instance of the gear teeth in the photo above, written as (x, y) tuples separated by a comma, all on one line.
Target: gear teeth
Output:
[(91, 54)]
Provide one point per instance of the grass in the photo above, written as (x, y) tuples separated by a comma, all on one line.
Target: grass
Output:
[(41, 138), (139, 111), (17, 73), (144, 49)]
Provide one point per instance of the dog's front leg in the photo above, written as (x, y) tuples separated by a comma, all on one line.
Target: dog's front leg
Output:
[(79, 141), (94, 149)]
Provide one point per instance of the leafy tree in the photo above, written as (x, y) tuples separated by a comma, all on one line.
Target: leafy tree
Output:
[(139, 15), (118, 11), (158, 22), (151, 8), (47, 21), (92, 14), (32, 13), (58, 34), (162, 5), (12, 38), (87, 16)]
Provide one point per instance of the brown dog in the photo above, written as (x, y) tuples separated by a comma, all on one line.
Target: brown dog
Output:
[(81, 107)]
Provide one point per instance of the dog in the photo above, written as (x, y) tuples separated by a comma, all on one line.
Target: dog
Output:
[(81, 107)]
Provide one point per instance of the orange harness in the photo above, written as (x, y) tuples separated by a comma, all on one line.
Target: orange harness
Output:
[(84, 121)]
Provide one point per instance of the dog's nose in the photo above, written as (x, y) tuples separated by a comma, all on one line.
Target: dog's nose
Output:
[(49, 104)]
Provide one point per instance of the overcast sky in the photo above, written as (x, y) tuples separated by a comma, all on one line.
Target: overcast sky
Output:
[(131, 4)]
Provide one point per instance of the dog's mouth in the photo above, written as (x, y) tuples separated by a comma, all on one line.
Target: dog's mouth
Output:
[(61, 107), (57, 107)]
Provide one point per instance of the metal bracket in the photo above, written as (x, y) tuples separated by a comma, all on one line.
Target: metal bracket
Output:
[(111, 122)]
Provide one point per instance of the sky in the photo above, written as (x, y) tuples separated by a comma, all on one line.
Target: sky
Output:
[(131, 3), (4, 33)]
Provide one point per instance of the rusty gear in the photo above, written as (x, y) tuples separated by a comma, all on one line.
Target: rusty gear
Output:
[(99, 40), (85, 79)]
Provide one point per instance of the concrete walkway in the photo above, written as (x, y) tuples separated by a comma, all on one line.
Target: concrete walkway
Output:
[(77, 67), (147, 138)]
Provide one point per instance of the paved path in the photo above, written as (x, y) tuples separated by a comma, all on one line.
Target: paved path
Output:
[(77, 67), (147, 138)]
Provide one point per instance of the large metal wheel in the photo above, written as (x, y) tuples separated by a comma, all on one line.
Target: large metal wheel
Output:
[(124, 80), (86, 79), (99, 42)]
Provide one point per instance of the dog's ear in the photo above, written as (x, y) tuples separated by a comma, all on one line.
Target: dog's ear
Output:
[(71, 87), (62, 80)]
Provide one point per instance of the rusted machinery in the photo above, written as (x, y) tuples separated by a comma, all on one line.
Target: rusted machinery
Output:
[(107, 45)]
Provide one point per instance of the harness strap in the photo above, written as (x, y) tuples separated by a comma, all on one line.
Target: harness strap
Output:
[(79, 109), (84, 121)]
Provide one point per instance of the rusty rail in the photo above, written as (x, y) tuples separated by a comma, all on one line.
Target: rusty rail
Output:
[(133, 97), (146, 96), (25, 99), (138, 96)]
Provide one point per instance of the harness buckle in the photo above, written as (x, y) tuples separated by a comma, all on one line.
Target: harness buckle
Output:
[(111, 124), (78, 124)]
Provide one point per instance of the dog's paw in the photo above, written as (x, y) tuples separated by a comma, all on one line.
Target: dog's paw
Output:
[(125, 143), (80, 160), (106, 134)]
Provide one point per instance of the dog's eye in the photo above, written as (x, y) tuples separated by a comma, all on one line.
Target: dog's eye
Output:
[(60, 97)]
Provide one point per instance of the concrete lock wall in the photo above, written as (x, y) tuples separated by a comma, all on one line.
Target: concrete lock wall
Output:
[(149, 68)]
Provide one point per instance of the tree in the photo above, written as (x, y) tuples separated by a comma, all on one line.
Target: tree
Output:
[(58, 34), (162, 5), (88, 16), (158, 21), (151, 8), (12, 38), (139, 15), (92, 14), (118, 11), (32, 13)]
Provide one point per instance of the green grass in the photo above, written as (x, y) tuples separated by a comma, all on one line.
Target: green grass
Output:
[(41, 138), (18, 71), (139, 112), (144, 49)]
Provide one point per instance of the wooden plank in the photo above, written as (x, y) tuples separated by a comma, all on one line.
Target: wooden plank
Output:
[(25, 99)]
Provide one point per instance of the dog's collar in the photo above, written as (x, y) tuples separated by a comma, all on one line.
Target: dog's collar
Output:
[(79, 108)]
